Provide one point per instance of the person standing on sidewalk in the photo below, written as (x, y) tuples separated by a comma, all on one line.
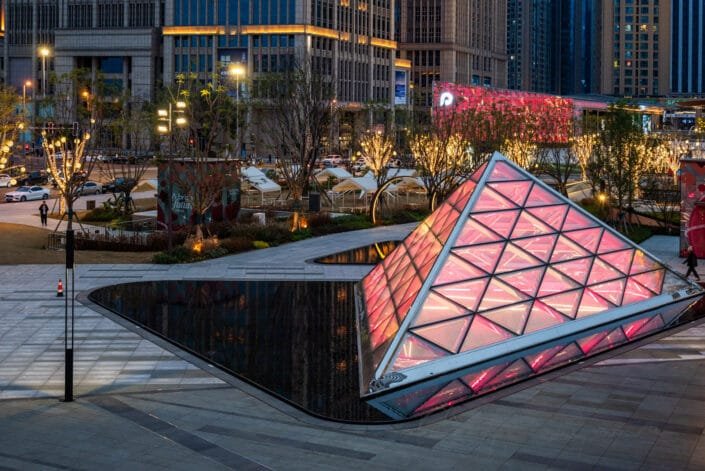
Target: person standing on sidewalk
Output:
[(43, 213), (692, 261)]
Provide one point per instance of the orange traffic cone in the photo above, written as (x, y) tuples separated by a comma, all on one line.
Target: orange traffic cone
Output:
[(60, 289)]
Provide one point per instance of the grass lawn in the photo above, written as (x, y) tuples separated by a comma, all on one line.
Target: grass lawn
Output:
[(24, 244)]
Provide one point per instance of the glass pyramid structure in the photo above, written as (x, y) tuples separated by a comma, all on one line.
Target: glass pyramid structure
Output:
[(505, 280)]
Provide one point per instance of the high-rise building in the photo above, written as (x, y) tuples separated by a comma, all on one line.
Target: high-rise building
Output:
[(460, 41), (687, 47), (532, 45), (577, 44), (636, 49)]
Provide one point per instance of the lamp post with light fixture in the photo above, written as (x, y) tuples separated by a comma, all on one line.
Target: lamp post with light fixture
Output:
[(237, 70), (44, 52), (168, 119)]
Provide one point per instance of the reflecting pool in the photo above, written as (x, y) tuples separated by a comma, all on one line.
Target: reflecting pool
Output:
[(367, 255), (294, 339)]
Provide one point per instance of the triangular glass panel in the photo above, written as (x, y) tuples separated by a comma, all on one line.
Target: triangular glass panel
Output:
[(566, 249), (384, 332), (528, 225), (621, 260), (490, 200), (652, 280), (415, 351), (503, 172), (586, 238), (612, 291), (631, 330), (602, 272), (611, 242), (526, 281), (518, 370), (642, 262), (540, 196), (456, 269), (501, 222), (447, 335), (569, 354), (673, 283), (540, 247), (537, 360), (542, 317), (591, 304), (467, 293), (588, 344), (577, 220), (551, 215), (513, 191), (437, 308), (515, 258), (482, 333), (555, 282), (460, 197), (566, 303), (511, 317), (499, 294), (452, 393), (477, 174), (475, 233), (654, 324), (577, 269), (483, 256), (614, 339), (476, 381), (634, 293)]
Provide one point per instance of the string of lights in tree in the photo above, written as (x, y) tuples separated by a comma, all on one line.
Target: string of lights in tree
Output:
[(65, 159)]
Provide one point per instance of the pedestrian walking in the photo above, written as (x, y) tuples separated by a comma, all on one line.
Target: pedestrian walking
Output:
[(692, 261), (43, 212)]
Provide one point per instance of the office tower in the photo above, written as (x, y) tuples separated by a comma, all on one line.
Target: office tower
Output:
[(687, 47), (636, 48), (461, 41), (577, 44), (532, 45)]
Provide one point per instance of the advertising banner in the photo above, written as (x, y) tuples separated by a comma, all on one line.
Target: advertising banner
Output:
[(400, 87)]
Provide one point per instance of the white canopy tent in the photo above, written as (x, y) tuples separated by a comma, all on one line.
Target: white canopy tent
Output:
[(336, 173), (256, 180)]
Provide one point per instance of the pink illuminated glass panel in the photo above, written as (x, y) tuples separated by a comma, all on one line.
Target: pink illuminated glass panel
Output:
[(475, 233), (588, 344), (414, 351), (466, 294), (566, 249), (456, 269), (384, 332), (642, 263), (449, 395), (552, 215), (518, 369), (611, 340), (621, 260), (631, 330), (515, 258), (501, 222), (503, 172), (578, 269), (542, 317), (602, 272), (477, 381), (610, 243), (568, 354), (537, 360), (500, 294), (586, 238), (577, 220), (612, 291), (540, 247), (592, 304), (526, 281), (528, 225), (566, 303), (437, 308), (490, 200), (447, 335), (482, 333), (555, 282), (511, 317), (540, 196), (634, 293), (652, 280), (460, 197), (513, 191), (483, 256)]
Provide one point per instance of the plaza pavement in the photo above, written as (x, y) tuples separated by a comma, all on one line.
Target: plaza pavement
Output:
[(142, 404)]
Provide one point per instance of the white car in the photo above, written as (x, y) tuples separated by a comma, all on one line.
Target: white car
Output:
[(27, 193), (89, 188), (7, 181)]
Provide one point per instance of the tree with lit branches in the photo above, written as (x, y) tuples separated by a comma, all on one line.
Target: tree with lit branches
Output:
[(583, 148), (521, 151), (377, 152), (66, 162)]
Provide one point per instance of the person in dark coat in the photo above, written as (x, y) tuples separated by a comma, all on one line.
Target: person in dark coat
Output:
[(43, 213), (692, 261)]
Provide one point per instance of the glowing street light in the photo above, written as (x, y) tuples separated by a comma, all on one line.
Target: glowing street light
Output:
[(237, 70), (44, 52)]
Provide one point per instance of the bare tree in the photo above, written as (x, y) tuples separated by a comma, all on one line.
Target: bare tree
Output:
[(297, 106)]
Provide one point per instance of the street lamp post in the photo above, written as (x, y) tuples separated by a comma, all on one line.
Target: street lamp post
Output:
[(237, 70), (169, 118), (44, 52)]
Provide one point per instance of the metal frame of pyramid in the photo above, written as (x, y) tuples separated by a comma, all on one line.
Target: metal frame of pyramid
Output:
[(505, 272)]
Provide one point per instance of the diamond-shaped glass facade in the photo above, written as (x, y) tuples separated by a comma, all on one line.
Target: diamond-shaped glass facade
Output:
[(504, 262)]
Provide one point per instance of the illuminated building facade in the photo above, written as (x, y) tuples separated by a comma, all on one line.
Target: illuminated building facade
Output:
[(636, 48), (687, 47), (460, 41)]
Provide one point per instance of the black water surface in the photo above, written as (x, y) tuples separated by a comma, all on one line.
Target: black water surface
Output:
[(294, 339), (367, 255)]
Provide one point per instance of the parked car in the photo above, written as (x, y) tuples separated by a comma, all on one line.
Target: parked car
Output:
[(39, 177), (27, 193), (89, 188), (7, 181), (114, 186)]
